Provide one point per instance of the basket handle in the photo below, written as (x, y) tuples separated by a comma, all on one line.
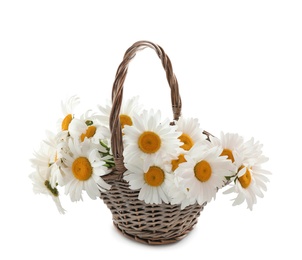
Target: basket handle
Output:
[(117, 97)]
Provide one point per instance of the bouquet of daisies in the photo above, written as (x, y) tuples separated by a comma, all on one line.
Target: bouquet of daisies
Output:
[(76, 157), (167, 162)]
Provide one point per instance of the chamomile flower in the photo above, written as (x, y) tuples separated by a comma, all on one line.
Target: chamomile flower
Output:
[(150, 137), (68, 108), (129, 108), (203, 172), (41, 185), (47, 170), (232, 146), (191, 133), (250, 182), (48, 159), (88, 127), (84, 170), (153, 183)]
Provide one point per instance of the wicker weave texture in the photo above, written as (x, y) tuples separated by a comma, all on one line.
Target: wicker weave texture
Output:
[(145, 223)]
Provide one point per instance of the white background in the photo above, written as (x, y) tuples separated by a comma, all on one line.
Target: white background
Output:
[(239, 66)]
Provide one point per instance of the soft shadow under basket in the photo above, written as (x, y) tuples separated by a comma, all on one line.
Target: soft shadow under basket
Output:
[(145, 223)]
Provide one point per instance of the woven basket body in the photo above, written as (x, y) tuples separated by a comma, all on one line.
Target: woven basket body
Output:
[(146, 223)]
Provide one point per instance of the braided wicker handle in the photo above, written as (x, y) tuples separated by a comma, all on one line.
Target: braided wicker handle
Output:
[(117, 97)]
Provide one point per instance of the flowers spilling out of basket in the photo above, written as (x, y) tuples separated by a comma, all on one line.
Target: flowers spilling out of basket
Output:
[(166, 162)]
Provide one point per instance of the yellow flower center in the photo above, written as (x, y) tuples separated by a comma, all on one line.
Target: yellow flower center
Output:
[(175, 163), (81, 169), (228, 153), (66, 121), (149, 142), (203, 171), (187, 140), (90, 132), (246, 179), (154, 176), (125, 120)]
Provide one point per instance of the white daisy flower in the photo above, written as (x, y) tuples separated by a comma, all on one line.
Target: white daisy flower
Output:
[(232, 146), (88, 126), (153, 183), (47, 170), (128, 109), (250, 182), (68, 108), (41, 185), (203, 172), (48, 159), (149, 137), (191, 132), (83, 171)]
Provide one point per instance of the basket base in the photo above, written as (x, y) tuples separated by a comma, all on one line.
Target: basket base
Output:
[(153, 224), (154, 242)]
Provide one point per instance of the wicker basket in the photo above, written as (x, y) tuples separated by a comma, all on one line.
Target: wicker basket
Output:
[(145, 223)]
